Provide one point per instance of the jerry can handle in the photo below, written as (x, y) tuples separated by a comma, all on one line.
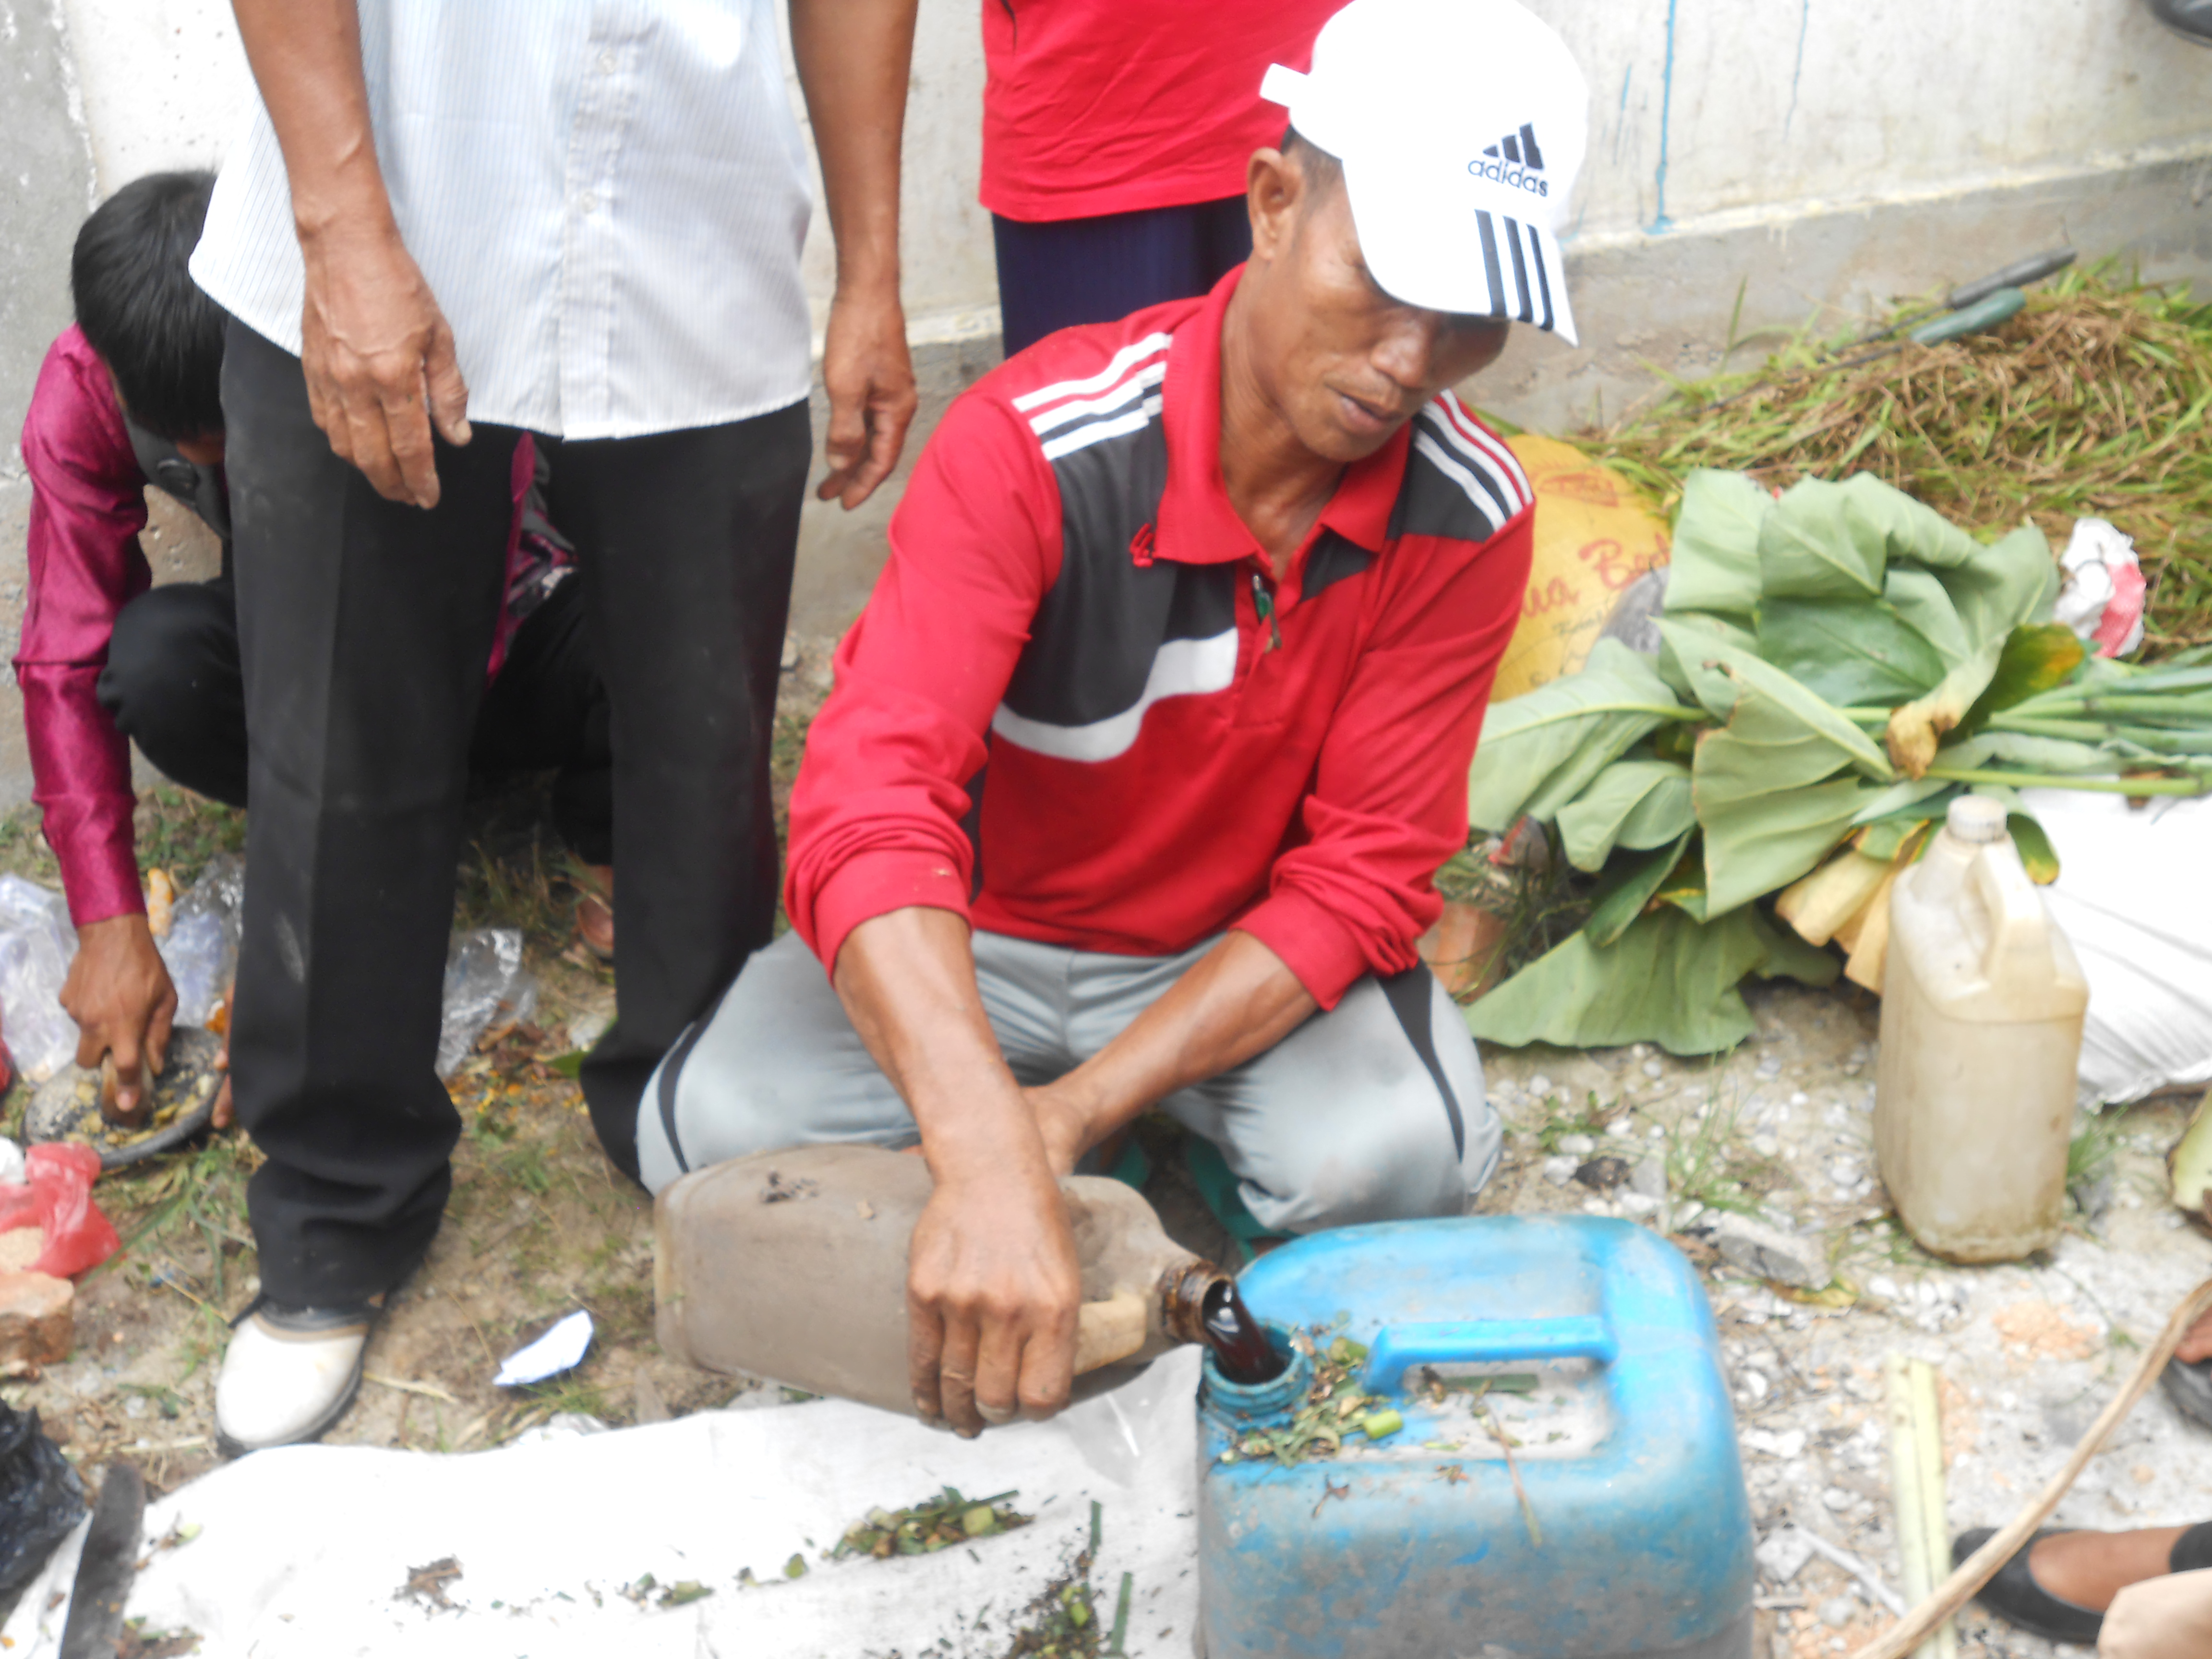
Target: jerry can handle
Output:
[(2020, 929), (1398, 1348)]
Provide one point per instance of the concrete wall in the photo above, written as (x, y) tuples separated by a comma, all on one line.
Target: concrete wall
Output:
[(1807, 154)]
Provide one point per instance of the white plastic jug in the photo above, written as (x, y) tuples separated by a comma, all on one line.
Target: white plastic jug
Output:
[(1981, 1003)]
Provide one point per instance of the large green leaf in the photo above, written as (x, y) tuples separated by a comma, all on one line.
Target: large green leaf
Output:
[(1792, 711), (1758, 840), (2037, 656), (1997, 587), (1540, 751), (1714, 565), (1850, 651), (1811, 547), (1666, 980), (1637, 804), (1923, 605), (1629, 884), (1690, 670), (1881, 514)]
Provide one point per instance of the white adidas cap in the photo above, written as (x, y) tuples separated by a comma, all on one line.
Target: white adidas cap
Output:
[(1461, 124)]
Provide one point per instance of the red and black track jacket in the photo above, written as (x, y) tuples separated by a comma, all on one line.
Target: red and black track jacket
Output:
[(1077, 710)]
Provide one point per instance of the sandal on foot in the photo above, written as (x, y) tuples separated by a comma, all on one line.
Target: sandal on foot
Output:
[(2015, 1597), (2190, 1387)]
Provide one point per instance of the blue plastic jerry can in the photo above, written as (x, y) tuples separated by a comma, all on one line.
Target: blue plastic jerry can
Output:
[(1630, 1536)]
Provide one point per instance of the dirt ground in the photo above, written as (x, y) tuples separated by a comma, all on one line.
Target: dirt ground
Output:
[(541, 1225)]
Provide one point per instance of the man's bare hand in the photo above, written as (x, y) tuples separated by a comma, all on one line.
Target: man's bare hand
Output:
[(993, 1287), (119, 993), (870, 378), (379, 359)]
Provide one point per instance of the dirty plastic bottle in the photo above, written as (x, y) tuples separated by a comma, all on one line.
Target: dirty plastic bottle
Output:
[(792, 1265), (1981, 1036)]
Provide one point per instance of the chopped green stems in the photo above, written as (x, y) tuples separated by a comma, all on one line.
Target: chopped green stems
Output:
[(2196, 785), (1113, 1648)]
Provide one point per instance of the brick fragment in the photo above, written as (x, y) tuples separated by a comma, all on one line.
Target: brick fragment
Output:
[(38, 1319)]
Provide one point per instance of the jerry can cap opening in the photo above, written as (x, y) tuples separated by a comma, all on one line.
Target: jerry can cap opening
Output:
[(1273, 1398)]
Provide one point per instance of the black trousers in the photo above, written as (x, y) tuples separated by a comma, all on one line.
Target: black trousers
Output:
[(363, 629), (173, 684)]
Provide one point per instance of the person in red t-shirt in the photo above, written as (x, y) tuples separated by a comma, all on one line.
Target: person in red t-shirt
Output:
[(1115, 137), (1156, 729)]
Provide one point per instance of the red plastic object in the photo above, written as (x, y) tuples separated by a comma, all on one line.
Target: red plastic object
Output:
[(58, 1198)]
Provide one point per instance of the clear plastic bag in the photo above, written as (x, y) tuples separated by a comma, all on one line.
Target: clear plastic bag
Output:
[(36, 946), (486, 985), (201, 950)]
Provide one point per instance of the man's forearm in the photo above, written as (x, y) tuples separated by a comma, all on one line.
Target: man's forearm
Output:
[(907, 981), (306, 58), (1235, 1001), (854, 58)]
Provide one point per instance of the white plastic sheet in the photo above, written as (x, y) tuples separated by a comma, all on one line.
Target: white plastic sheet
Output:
[(300, 1551), (2134, 895)]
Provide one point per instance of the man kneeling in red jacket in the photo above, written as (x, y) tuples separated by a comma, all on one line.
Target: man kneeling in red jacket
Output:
[(1157, 727)]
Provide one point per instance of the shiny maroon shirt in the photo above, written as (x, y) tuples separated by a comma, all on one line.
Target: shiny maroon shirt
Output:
[(88, 506)]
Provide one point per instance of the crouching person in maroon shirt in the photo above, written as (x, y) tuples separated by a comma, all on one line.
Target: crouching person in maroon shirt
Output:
[(1157, 727), (129, 397)]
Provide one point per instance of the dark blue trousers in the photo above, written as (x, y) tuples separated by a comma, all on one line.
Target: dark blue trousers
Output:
[(1064, 272)]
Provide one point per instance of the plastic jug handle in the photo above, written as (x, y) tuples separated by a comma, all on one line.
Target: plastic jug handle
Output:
[(1108, 1331), (1398, 1348), (2020, 930)]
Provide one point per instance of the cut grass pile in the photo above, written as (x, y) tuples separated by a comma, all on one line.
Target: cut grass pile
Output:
[(2092, 402)]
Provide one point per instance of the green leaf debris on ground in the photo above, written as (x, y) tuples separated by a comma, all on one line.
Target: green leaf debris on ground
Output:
[(933, 1524)]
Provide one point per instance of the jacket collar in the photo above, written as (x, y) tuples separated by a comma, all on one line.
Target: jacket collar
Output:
[(1196, 523)]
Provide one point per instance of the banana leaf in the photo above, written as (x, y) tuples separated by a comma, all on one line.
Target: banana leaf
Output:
[(1541, 751), (1667, 979), (1636, 804)]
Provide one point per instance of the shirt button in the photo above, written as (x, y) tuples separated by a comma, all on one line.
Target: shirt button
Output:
[(587, 203), (607, 62)]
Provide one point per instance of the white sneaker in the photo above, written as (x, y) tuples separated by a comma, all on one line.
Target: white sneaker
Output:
[(289, 1375)]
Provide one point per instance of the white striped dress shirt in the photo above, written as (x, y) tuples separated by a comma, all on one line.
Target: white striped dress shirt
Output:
[(607, 197)]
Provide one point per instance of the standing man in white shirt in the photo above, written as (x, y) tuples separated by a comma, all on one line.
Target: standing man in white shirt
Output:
[(455, 222)]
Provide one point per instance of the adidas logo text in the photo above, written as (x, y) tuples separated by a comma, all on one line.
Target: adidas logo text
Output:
[(1514, 162)]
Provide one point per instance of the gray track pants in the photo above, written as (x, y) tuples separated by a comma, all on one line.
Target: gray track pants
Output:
[(1373, 1111)]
